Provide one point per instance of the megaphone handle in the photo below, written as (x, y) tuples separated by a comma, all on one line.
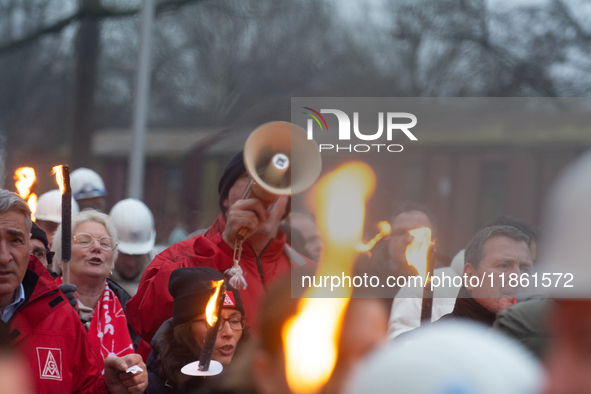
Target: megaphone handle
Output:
[(241, 234), (245, 194)]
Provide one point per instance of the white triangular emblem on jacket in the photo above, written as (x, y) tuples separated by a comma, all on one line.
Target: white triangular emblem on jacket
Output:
[(52, 369)]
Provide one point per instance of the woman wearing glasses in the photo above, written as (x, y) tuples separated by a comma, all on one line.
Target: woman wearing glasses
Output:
[(179, 340), (101, 301)]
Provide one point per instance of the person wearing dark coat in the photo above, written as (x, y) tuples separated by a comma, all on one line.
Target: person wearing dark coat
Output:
[(493, 255), (180, 339)]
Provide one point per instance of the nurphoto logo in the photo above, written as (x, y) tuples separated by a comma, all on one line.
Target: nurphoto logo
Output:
[(393, 126)]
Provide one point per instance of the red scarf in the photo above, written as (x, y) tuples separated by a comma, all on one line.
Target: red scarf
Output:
[(108, 331)]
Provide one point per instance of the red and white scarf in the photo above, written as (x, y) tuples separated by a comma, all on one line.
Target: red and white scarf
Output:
[(108, 331)]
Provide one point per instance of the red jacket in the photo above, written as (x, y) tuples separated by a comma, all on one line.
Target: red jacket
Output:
[(49, 334), (152, 304)]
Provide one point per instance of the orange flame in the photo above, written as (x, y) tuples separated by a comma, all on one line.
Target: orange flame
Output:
[(417, 250), (310, 338), (385, 229), (59, 177), (25, 178), (32, 203), (210, 311)]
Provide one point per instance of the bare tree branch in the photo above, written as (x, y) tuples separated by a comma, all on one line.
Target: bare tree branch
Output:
[(570, 18), (98, 12)]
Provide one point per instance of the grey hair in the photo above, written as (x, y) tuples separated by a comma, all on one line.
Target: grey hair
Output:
[(475, 249), (10, 201), (87, 215)]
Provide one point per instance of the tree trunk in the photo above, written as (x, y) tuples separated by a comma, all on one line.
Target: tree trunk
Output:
[(87, 52)]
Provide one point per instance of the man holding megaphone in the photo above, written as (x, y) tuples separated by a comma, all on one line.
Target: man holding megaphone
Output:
[(244, 242)]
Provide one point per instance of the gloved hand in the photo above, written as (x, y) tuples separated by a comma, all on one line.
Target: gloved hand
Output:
[(69, 291)]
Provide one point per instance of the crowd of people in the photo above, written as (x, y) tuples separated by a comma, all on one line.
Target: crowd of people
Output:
[(119, 318)]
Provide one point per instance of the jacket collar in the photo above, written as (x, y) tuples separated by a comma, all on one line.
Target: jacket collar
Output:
[(37, 281), (468, 307)]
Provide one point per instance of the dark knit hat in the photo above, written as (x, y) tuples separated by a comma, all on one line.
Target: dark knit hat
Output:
[(191, 289), (233, 171), (37, 233)]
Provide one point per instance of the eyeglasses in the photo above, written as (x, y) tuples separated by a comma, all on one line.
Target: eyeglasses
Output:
[(237, 323), (41, 254), (85, 240)]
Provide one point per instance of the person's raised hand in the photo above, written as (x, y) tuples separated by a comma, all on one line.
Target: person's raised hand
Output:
[(243, 214)]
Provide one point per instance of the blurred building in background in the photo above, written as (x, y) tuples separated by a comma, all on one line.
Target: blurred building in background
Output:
[(221, 68)]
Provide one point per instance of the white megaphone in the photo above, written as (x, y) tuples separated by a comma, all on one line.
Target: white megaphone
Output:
[(281, 161)]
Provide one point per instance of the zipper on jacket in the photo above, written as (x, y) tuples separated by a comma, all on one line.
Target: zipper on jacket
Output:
[(260, 263)]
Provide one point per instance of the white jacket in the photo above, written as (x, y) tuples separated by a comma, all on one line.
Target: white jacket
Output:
[(406, 308)]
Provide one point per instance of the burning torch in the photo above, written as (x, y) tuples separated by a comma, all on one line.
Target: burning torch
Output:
[(420, 253), (310, 338), (62, 176), (206, 366)]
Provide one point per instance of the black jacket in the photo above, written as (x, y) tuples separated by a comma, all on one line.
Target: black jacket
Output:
[(466, 307)]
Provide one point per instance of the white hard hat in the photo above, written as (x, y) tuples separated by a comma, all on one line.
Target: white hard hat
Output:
[(449, 357), (49, 207), (135, 226), (86, 183), (566, 238)]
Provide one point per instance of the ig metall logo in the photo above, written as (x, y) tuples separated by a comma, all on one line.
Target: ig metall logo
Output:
[(393, 126)]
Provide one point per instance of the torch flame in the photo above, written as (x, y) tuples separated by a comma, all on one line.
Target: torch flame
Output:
[(25, 178), (385, 230), (417, 250), (59, 177), (32, 203), (310, 338), (210, 312)]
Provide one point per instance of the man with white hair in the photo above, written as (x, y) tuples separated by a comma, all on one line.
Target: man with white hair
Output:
[(41, 323)]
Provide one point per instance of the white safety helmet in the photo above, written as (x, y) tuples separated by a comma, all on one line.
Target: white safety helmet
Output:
[(86, 183), (49, 207), (451, 357), (564, 265), (135, 226)]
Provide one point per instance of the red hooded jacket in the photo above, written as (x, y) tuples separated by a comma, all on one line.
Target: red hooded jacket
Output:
[(49, 334), (152, 304)]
